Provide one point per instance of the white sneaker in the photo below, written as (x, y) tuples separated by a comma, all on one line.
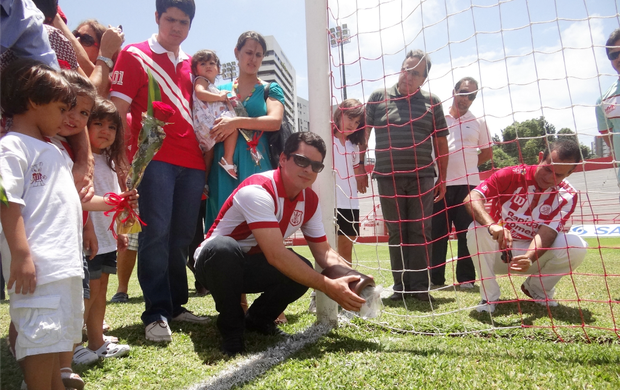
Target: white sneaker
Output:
[(158, 331), (539, 299), (188, 316), (466, 286), (485, 307), (112, 350)]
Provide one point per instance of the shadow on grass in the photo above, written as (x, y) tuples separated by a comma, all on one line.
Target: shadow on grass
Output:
[(11, 377), (415, 305), (530, 312)]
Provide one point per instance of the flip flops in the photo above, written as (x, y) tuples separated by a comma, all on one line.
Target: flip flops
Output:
[(70, 379), (231, 169)]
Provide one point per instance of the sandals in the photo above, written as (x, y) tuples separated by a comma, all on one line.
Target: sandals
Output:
[(70, 379), (112, 350), (83, 355), (231, 169)]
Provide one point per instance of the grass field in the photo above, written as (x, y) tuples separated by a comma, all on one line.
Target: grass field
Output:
[(409, 346)]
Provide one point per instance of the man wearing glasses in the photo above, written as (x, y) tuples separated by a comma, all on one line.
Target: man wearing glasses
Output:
[(409, 123), (469, 144), (608, 105), (244, 250)]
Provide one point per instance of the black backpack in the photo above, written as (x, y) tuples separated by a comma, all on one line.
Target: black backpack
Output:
[(277, 139)]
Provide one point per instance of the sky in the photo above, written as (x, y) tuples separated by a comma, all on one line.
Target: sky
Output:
[(532, 58)]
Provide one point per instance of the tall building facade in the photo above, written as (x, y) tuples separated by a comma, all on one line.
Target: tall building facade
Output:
[(303, 114), (276, 67)]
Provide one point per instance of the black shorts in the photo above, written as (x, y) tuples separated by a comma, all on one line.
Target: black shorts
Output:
[(105, 262), (348, 222)]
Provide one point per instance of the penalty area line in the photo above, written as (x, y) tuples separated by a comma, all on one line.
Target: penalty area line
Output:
[(254, 365)]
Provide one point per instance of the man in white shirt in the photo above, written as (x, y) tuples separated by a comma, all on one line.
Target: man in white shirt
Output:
[(469, 145)]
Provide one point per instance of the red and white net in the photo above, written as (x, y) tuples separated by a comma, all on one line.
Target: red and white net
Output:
[(541, 66)]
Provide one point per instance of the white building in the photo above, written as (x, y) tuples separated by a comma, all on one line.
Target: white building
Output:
[(276, 67), (303, 116)]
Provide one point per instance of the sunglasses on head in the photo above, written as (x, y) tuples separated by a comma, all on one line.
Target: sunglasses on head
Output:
[(85, 39), (303, 161), (613, 56), (470, 95)]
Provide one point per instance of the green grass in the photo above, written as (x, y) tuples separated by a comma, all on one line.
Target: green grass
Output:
[(516, 347)]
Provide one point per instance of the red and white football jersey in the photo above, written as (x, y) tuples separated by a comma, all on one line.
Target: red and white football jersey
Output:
[(260, 202), (518, 202)]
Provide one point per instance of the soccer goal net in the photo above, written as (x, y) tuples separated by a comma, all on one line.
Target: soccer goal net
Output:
[(531, 73)]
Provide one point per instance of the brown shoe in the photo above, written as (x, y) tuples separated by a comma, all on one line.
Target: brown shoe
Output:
[(422, 296)]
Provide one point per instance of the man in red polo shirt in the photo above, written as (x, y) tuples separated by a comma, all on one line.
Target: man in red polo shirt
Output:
[(171, 188), (244, 250), (523, 233)]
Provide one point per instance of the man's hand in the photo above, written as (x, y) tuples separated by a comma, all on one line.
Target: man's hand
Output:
[(520, 263), (23, 275), (440, 190), (339, 291), (502, 236)]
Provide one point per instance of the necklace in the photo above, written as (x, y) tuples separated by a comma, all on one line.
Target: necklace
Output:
[(236, 89)]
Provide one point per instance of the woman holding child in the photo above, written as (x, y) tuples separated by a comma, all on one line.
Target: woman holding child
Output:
[(263, 116)]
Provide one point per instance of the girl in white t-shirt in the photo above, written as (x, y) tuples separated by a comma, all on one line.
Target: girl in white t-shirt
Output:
[(105, 130), (349, 146), (209, 103)]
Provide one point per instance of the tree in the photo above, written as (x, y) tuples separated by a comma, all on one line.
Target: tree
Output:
[(524, 140)]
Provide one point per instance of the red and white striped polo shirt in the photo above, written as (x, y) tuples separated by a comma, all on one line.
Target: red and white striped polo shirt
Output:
[(523, 207), (260, 202)]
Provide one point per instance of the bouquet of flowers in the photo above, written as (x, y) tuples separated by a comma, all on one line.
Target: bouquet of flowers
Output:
[(251, 137), (150, 140)]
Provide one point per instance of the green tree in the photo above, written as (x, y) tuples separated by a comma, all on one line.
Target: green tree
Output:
[(524, 140)]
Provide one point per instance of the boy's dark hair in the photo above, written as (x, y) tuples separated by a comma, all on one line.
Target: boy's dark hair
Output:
[(97, 27), (81, 85), (49, 8), (26, 80), (204, 56), (114, 154), (187, 6), (312, 139), (613, 38), (352, 108), (251, 35), (568, 149)]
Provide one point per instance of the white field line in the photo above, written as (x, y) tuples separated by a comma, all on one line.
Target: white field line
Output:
[(254, 365)]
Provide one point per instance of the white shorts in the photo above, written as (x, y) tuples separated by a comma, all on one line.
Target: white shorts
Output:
[(50, 320)]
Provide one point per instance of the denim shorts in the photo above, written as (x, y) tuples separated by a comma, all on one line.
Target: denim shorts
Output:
[(105, 262)]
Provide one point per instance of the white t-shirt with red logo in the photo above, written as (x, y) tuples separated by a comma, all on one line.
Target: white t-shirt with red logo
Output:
[(260, 202), (522, 206), (37, 176)]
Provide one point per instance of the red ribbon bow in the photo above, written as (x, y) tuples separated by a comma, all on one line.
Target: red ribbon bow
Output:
[(254, 142), (120, 204)]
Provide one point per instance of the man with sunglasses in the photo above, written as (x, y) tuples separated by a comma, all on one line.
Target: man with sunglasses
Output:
[(244, 250), (469, 143), (523, 233), (608, 105), (409, 125)]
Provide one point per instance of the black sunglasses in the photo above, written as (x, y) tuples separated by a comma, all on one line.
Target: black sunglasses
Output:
[(85, 39), (303, 161), (613, 56), (470, 95)]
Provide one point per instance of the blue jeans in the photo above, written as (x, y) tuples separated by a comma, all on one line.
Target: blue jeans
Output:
[(407, 205), (169, 203)]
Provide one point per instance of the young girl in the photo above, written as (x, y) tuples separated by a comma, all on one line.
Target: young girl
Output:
[(349, 137), (209, 104), (41, 240), (106, 135)]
